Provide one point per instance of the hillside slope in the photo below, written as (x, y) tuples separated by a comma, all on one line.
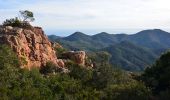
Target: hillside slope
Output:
[(130, 56), (131, 52), (155, 39)]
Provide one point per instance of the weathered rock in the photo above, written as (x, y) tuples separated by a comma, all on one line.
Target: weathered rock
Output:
[(76, 56), (34, 49), (56, 45), (60, 63), (31, 45)]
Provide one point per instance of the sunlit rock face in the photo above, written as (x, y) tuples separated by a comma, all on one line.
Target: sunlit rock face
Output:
[(34, 49), (31, 45), (76, 56)]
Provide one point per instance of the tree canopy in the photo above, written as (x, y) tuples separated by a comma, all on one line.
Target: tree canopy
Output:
[(27, 16), (157, 76), (23, 20), (100, 83)]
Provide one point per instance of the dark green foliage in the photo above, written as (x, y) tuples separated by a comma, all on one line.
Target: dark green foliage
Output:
[(8, 71), (105, 75), (99, 58), (7, 57), (101, 83), (130, 56), (15, 22), (27, 16), (157, 76), (164, 95), (48, 68), (129, 91), (79, 72), (59, 52)]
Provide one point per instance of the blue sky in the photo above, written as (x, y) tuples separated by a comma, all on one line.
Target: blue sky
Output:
[(63, 17)]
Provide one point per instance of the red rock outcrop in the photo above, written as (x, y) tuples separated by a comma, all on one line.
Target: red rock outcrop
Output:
[(76, 56), (31, 45), (34, 49)]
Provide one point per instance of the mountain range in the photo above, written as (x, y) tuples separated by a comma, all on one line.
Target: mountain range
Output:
[(131, 52)]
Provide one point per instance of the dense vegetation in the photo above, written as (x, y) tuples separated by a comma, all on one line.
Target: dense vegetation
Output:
[(103, 82), (130, 56), (15, 22), (132, 52), (157, 77)]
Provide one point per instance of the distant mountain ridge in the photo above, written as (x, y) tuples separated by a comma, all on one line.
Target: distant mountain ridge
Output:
[(154, 39), (151, 42)]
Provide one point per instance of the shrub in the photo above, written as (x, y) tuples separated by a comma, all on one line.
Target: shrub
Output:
[(8, 57), (15, 22), (60, 51), (157, 76), (130, 91), (48, 68)]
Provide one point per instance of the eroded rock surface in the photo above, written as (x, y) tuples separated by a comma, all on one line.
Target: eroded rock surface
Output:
[(34, 49), (31, 45), (76, 56)]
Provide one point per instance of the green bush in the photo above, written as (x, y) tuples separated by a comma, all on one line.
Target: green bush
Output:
[(100, 83), (9, 72), (15, 22), (130, 91), (48, 68), (7, 57), (157, 76), (60, 51), (157, 79)]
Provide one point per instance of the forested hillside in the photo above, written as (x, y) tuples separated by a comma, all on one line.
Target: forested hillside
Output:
[(141, 49), (130, 57), (101, 83)]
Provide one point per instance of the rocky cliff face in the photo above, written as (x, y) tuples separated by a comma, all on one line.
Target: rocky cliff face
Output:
[(31, 45), (34, 49)]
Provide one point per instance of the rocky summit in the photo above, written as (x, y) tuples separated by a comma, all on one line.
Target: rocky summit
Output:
[(34, 49), (31, 45)]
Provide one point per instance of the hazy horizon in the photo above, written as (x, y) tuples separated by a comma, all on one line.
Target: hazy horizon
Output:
[(64, 17)]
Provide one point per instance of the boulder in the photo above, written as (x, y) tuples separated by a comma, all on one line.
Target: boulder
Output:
[(76, 56)]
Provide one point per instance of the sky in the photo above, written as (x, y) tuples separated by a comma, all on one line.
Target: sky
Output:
[(63, 17)]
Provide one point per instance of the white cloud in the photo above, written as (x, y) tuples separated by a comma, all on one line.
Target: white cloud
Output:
[(96, 14)]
